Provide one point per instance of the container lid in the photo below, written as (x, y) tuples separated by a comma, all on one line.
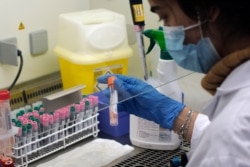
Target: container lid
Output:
[(105, 37), (98, 36), (4, 95), (111, 80)]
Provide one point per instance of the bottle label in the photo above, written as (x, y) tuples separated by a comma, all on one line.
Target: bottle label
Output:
[(152, 131)]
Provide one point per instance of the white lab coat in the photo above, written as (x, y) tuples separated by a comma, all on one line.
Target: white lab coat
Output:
[(225, 142)]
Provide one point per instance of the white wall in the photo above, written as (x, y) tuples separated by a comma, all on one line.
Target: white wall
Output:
[(34, 14)]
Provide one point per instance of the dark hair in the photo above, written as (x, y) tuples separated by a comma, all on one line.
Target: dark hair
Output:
[(233, 13)]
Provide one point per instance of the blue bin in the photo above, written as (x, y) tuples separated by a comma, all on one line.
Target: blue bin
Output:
[(104, 126)]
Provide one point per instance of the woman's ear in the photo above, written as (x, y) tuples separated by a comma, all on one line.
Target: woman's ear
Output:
[(213, 14)]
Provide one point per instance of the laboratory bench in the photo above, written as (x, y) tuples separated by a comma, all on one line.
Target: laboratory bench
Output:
[(141, 157), (138, 157)]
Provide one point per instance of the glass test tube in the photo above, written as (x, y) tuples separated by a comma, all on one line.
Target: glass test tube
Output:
[(113, 114)]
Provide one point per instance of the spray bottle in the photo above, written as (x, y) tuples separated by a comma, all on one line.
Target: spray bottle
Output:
[(147, 134)]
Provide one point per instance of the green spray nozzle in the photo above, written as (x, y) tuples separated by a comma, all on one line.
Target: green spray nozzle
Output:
[(157, 36)]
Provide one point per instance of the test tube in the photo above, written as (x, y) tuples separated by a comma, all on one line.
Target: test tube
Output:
[(72, 119), (29, 138), (18, 137), (35, 145), (23, 142), (88, 112), (78, 110), (113, 115), (94, 101), (82, 113), (46, 130), (67, 120), (62, 122), (91, 110), (56, 117)]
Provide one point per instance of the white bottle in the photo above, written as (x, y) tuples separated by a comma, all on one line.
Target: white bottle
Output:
[(147, 134), (6, 135)]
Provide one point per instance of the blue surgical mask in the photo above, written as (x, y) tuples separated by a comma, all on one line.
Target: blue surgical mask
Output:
[(198, 57)]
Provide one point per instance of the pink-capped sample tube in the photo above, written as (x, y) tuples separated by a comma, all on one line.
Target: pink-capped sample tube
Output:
[(18, 139), (78, 119), (36, 114), (51, 124), (95, 101), (46, 129), (67, 119), (82, 114), (56, 117), (62, 115), (29, 138), (35, 145)]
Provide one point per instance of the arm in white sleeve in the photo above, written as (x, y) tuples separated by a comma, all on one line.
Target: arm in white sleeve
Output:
[(201, 123)]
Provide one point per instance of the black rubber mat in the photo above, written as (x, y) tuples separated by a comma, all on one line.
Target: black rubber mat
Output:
[(152, 158)]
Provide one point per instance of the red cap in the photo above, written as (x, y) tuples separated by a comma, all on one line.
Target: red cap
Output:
[(4, 94), (111, 80)]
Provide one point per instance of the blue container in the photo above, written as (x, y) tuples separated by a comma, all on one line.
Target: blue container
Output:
[(123, 119)]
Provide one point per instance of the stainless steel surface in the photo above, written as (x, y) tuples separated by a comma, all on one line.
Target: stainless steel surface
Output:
[(138, 157), (34, 90), (148, 157), (63, 98)]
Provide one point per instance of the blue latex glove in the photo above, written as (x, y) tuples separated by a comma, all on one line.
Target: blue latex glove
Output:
[(141, 99)]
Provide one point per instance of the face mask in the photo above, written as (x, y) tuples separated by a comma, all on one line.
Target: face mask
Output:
[(198, 57)]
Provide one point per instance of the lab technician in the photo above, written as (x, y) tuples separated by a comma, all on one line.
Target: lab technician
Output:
[(210, 37)]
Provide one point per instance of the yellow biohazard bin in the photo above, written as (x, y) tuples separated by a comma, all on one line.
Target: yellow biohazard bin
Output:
[(91, 43)]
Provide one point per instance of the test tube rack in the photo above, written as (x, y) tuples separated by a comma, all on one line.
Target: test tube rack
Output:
[(77, 125), (24, 154)]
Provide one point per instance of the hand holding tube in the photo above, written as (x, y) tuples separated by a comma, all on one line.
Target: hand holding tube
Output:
[(141, 99)]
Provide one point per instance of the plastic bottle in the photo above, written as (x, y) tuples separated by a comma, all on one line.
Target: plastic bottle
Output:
[(6, 135), (147, 134)]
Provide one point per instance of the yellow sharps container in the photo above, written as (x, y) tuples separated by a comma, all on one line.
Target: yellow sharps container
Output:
[(89, 44)]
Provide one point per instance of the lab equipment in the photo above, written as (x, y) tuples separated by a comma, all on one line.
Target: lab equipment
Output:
[(113, 114), (137, 11), (157, 137), (6, 135), (89, 44), (51, 131)]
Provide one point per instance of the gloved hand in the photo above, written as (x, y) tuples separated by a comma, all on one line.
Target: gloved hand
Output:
[(141, 99)]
